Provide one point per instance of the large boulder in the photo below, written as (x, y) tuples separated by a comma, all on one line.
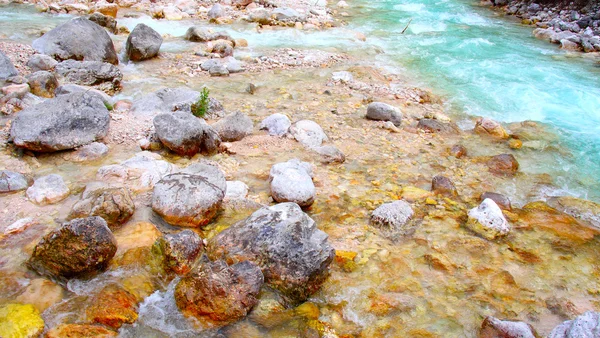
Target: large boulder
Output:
[(496, 328), (186, 134), (178, 252), (143, 43), (48, 190), (585, 326), (190, 199), (309, 133), (6, 67), (65, 122), (291, 181), (114, 205), (293, 254), (77, 248), (78, 39), (276, 124), (218, 293), (91, 73), (11, 181), (487, 220), (42, 83), (234, 127), (380, 111), (393, 219)]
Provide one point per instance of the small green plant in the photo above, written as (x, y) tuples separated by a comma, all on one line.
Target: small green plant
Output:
[(200, 108)]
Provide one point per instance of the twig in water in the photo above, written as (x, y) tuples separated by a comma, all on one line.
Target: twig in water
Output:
[(405, 28)]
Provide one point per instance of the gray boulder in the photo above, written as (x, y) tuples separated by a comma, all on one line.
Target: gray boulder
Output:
[(218, 70), (208, 64), (293, 254), (178, 252), (234, 127), (309, 133), (190, 199), (236, 190), (105, 21), (143, 43), (330, 154), (42, 83), (65, 122), (233, 65), (287, 14), (260, 16), (169, 100), (198, 34), (90, 73), (11, 181), (215, 11), (276, 124), (6, 67), (78, 39), (48, 190), (70, 88), (393, 219), (291, 181), (585, 326), (380, 111), (41, 62), (186, 134), (114, 205)]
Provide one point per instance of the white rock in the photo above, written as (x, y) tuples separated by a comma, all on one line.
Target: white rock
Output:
[(48, 190), (392, 218), (19, 226), (585, 326), (343, 77), (309, 133), (487, 220), (291, 181), (236, 190), (276, 124)]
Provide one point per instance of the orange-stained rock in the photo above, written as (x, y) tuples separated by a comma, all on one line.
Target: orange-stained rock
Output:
[(113, 306), (80, 331), (486, 126), (541, 216), (496, 328), (503, 164)]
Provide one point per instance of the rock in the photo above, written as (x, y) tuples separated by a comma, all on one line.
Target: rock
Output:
[(178, 252), (234, 127), (583, 210), (91, 73), (287, 14), (241, 3), (490, 127), (11, 181), (503, 164), (185, 134), (442, 185), (105, 21), (143, 43), (233, 66), (539, 215), (291, 181), (65, 122), (198, 34), (6, 67), (114, 205), (208, 64), (77, 248), (190, 199), (496, 328), (344, 77), (330, 154), (48, 190), (39, 62), (276, 124), (14, 91), (487, 220), (42, 83), (139, 173), (41, 293), (216, 11), (309, 133), (108, 9), (236, 190), (435, 126), (87, 153), (543, 33), (393, 219), (569, 45), (172, 13), (219, 293), (113, 306), (458, 151), (73, 88), (380, 111), (167, 100), (260, 16), (218, 70), (20, 320), (78, 39), (502, 201), (285, 243), (80, 331), (585, 326)]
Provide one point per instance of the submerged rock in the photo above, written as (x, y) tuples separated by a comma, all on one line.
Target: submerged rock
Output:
[(65, 122), (583, 210), (435, 126), (114, 205), (219, 293), (186, 134), (139, 173), (20, 320), (487, 220), (78, 39), (496, 328), (113, 306), (190, 199), (11, 181), (292, 252), (380, 111), (291, 181), (48, 190), (276, 124), (330, 154), (585, 326), (42, 83), (234, 127), (393, 219), (490, 127), (178, 252), (236, 190), (80, 331), (458, 151), (503, 164), (502, 201), (309, 133), (77, 248), (442, 185), (6, 67), (143, 43), (89, 152)]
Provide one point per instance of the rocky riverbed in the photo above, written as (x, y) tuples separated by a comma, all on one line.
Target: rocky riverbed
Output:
[(319, 196)]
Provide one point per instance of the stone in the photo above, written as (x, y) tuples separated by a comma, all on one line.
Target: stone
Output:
[(233, 65), (6, 67), (108, 9), (569, 45), (42, 83), (502, 201), (285, 243), (178, 252), (218, 70), (105, 21), (90, 73), (216, 11), (143, 43), (20, 320), (80, 331), (113, 306), (503, 164), (344, 77), (198, 34), (330, 154), (139, 173), (190, 199), (41, 293), (435, 126), (14, 91), (393, 219), (78, 248), (48, 190), (218, 293), (539, 215), (78, 39), (90, 152), (309, 133), (260, 16), (186, 134), (442, 185), (276, 124), (208, 64), (458, 151), (496, 328), (64, 122), (380, 111), (291, 181), (114, 205), (236, 190), (39, 62), (172, 13), (586, 325), (287, 14), (234, 127), (583, 210), (69, 88), (487, 220), (490, 127), (168, 100), (11, 181)]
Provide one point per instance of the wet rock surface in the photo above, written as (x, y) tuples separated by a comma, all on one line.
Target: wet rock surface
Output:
[(178, 252), (291, 181), (442, 185), (48, 189), (487, 220), (393, 219), (503, 164), (186, 134), (114, 205), (113, 306)]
